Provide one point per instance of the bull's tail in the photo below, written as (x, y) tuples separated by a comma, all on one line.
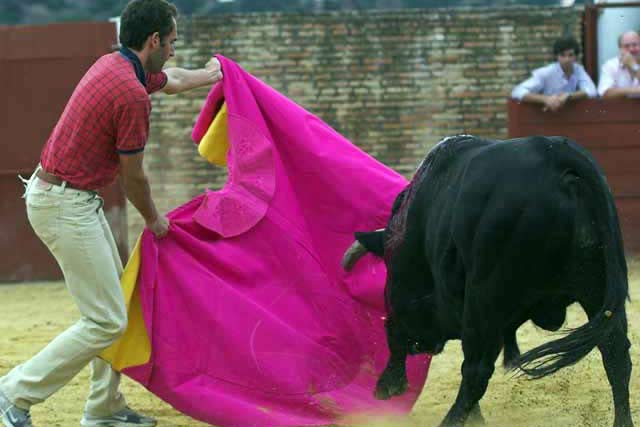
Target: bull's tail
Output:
[(555, 355)]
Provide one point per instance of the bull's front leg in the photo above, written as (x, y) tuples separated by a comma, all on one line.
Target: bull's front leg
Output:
[(393, 381), (481, 347)]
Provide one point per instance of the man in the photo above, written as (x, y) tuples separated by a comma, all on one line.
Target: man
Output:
[(555, 84), (620, 76), (102, 132)]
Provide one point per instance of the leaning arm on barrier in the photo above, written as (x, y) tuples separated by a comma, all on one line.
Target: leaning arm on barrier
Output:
[(580, 94), (550, 102), (530, 91), (622, 92)]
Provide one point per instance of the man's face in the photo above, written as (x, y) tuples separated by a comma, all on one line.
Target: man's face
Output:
[(163, 51), (630, 43), (567, 58)]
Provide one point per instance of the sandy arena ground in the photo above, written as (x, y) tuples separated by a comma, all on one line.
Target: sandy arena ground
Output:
[(32, 314)]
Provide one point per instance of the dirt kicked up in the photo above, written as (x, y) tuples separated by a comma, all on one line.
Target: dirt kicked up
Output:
[(32, 314)]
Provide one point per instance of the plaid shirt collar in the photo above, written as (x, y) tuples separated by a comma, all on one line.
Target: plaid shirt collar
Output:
[(137, 65)]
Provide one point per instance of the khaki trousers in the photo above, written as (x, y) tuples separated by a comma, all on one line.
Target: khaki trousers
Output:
[(71, 223)]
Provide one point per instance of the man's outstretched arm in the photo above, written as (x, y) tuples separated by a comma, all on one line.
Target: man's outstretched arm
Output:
[(180, 79)]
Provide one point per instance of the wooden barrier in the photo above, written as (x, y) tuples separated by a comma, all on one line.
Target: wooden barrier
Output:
[(610, 130), (39, 68)]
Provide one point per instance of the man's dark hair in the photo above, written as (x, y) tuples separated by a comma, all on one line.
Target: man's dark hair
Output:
[(565, 43), (141, 18)]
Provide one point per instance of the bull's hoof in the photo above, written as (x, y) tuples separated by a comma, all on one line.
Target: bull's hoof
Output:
[(475, 418), (455, 418), (623, 422), (387, 388)]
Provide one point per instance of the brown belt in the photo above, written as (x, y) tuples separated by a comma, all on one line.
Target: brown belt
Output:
[(52, 179)]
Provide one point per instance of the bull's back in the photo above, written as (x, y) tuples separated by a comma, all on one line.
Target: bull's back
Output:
[(511, 205)]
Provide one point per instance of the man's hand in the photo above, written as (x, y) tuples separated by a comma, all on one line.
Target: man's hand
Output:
[(555, 102), (159, 227), (563, 98), (550, 103), (213, 68), (628, 61)]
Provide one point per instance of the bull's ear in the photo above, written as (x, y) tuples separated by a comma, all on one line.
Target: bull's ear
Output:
[(372, 240), (398, 201)]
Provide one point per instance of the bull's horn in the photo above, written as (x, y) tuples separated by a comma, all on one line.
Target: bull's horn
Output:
[(352, 255)]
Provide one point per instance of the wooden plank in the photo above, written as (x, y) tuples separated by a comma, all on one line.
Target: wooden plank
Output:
[(590, 41), (587, 111), (629, 215)]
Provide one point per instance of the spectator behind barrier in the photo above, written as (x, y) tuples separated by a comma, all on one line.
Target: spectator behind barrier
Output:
[(620, 76), (555, 84)]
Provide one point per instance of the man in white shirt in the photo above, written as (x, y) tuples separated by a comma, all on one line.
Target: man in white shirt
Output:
[(620, 76), (554, 85)]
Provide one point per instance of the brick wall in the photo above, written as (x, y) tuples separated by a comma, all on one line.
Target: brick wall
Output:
[(392, 82)]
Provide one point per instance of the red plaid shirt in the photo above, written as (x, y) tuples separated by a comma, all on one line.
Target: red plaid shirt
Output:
[(107, 115)]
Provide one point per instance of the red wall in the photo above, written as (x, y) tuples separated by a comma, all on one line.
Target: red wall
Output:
[(39, 68)]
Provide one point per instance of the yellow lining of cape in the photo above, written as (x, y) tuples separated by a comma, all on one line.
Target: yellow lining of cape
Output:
[(134, 347), (214, 145)]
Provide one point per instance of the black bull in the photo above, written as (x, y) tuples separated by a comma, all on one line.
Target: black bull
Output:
[(488, 235)]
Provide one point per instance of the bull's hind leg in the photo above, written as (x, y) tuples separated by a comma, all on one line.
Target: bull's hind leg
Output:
[(511, 351), (617, 364)]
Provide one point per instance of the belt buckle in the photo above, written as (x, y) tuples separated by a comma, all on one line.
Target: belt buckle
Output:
[(41, 184)]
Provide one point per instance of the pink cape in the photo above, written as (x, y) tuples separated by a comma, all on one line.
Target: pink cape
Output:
[(251, 318)]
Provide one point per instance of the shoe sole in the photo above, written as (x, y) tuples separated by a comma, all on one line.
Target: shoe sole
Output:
[(6, 422)]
